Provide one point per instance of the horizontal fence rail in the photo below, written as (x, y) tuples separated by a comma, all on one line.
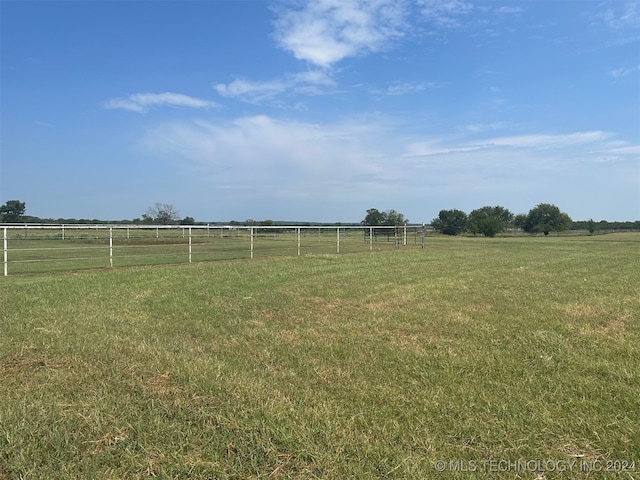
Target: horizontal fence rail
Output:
[(45, 248)]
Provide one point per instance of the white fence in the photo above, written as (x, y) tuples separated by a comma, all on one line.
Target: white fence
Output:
[(43, 248)]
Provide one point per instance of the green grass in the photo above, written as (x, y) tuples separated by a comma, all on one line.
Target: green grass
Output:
[(328, 366)]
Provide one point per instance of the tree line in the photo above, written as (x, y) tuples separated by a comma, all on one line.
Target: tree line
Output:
[(488, 221)]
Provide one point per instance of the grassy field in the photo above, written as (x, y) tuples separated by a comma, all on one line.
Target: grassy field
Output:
[(474, 358)]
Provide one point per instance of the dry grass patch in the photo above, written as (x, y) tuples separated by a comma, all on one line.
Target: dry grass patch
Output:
[(593, 319)]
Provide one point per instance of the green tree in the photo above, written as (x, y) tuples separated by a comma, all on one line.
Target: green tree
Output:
[(12, 211), (450, 222), (591, 226), (519, 220), (489, 220), (390, 218), (161, 214), (394, 218), (546, 218), (374, 217)]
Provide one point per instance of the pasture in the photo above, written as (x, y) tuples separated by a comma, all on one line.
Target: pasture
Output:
[(473, 358)]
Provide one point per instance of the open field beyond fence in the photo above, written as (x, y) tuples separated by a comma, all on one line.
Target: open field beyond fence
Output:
[(472, 358)]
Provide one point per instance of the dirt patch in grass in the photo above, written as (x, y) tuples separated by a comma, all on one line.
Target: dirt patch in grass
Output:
[(161, 386)]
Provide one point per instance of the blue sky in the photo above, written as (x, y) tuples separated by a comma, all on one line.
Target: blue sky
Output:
[(318, 111)]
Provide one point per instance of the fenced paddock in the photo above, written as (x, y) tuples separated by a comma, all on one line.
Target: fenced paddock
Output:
[(45, 248)]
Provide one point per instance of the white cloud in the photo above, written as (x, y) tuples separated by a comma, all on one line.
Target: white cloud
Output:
[(445, 13), (547, 141), (431, 148), (396, 89), (623, 72), (326, 31), (509, 10), (482, 127), (259, 163), (309, 83), (404, 88), (260, 152), (626, 150), (535, 142), (622, 15), (141, 102)]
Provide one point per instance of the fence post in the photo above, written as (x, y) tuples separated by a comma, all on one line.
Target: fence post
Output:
[(298, 231), (404, 236), (338, 240), (110, 246), (63, 231), (371, 239), (6, 250), (189, 244), (251, 235)]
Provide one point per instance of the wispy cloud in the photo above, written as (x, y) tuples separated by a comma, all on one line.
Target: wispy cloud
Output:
[(252, 159), (326, 31), (509, 10), (445, 13), (309, 83), (404, 88), (620, 15), (547, 141), (259, 150), (626, 150), (533, 142), (482, 127), (142, 102), (623, 72)]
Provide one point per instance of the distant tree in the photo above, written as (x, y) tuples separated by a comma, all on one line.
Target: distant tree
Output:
[(374, 217), (489, 220), (450, 222), (519, 220), (161, 214), (12, 211), (546, 218), (188, 221), (389, 218), (591, 226), (394, 218)]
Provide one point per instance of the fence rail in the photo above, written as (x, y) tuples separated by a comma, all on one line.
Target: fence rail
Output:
[(45, 248)]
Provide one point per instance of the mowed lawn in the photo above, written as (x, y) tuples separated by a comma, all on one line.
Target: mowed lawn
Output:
[(403, 364)]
